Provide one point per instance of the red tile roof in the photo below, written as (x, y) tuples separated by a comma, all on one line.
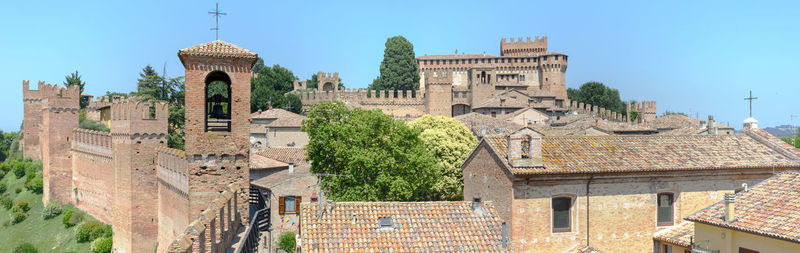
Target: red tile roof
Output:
[(443, 226), (680, 235), (770, 208), (286, 155), (217, 48), (583, 249), (614, 153), (275, 113), (674, 121)]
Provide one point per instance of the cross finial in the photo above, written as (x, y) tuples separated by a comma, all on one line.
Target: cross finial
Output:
[(751, 98), (216, 14)]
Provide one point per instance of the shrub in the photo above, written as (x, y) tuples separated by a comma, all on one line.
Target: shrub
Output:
[(15, 209), (4, 167), (19, 170), (36, 185), (89, 230), (18, 190), (102, 245), (3, 187), (2, 174), (6, 201), (68, 217), (76, 218), (26, 248), (18, 217), (23, 205), (287, 242), (52, 210)]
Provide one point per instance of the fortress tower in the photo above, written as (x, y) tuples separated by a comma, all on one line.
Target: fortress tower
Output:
[(217, 125), (138, 129), (439, 100), (59, 111), (327, 81), (523, 48), (32, 117)]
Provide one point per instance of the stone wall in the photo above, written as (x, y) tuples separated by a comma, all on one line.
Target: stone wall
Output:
[(31, 121), (93, 173), (620, 210), (214, 228)]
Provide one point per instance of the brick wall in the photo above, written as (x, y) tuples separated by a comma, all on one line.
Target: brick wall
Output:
[(483, 176), (173, 195), (93, 173), (59, 118), (31, 121)]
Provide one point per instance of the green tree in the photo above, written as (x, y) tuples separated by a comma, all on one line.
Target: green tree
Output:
[(152, 87), (375, 157), (450, 142), (75, 79), (6, 139), (270, 88), (595, 93), (287, 242), (398, 68)]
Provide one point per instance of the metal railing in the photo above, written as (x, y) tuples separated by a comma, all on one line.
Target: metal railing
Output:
[(259, 222)]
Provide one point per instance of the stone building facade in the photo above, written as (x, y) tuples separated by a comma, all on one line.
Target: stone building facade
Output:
[(150, 194), (612, 193)]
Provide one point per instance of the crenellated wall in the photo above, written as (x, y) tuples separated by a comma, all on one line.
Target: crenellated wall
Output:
[(173, 194), (214, 228), (523, 48), (32, 120), (93, 173), (398, 103), (59, 110)]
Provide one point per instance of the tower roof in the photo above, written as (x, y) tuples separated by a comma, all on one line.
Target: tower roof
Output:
[(217, 48)]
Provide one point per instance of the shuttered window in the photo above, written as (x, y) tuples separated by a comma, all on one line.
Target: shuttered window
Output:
[(561, 214), (665, 209), (289, 204)]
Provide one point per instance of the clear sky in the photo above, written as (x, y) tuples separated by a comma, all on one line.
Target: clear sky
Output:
[(698, 57)]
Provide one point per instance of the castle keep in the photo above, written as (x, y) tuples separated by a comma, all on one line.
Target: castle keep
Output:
[(456, 84), (153, 196)]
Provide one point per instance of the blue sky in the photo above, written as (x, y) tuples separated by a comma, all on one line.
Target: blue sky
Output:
[(698, 57)]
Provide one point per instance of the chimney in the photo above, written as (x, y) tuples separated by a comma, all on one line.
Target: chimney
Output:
[(750, 124), (314, 197), (730, 207), (712, 125), (476, 201), (483, 130)]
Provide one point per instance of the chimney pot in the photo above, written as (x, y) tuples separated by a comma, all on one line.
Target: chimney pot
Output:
[(314, 197), (476, 197), (730, 207)]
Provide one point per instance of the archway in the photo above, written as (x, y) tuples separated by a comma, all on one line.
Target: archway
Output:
[(328, 87), (218, 102)]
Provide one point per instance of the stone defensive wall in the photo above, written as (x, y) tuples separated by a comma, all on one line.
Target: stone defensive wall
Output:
[(173, 193), (214, 229), (32, 120), (93, 173), (94, 106), (465, 62), (59, 108), (399, 103), (518, 48), (646, 108)]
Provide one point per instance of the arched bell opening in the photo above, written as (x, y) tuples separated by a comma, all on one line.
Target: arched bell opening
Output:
[(218, 102)]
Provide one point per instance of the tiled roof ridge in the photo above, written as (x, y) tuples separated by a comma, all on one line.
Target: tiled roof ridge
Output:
[(216, 45), (775, 146)]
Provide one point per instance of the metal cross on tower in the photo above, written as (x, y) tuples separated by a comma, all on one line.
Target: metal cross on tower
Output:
[(216, 14), (751, 98)]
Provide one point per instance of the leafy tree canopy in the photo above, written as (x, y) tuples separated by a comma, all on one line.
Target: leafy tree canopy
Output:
[(450, 142), (152, 87), (595, 93), (398, 68), (375, 157), (270, 88)]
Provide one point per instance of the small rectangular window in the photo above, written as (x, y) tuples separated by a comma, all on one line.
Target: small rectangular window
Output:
[(665, 209), (667, 249), (289, 204), (561, 214)]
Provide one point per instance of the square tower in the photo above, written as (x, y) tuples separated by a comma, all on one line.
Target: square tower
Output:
[(59, 113), (217, 121), (32, 121)]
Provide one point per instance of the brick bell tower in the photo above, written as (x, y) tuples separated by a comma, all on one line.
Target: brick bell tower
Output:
[(217, 121)]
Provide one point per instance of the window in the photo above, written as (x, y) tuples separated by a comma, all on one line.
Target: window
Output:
[(667, 249), (494, 114), (561, 214), (289, 204), (218, 102), (665, 209)]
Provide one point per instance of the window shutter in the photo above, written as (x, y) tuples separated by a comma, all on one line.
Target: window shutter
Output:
[(297, 201), (281, 205)]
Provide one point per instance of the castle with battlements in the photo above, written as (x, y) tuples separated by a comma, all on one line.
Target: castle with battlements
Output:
[(156, 198), (524, 75)]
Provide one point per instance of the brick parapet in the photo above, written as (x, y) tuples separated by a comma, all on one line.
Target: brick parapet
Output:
[(519, 47), (173, 168), (597, 111), (31, 122), (363, 96), (215, 227), (92, 142)]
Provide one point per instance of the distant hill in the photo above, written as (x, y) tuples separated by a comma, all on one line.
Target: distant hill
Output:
[(781, 131)]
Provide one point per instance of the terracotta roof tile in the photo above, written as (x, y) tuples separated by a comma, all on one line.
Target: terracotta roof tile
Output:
[(680, 235), (475, 122), (217, 48), (615, 153), (444, 226), (286, 155), (770, 208), (674, 121), (275, 113), (583, 249)]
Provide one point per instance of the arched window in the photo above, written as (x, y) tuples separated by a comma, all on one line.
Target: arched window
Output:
[(218, 102)]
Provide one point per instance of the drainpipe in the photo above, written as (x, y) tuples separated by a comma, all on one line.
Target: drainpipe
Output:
[(587, 208)]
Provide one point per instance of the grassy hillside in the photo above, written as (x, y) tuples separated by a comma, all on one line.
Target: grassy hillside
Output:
[(45, 235)]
